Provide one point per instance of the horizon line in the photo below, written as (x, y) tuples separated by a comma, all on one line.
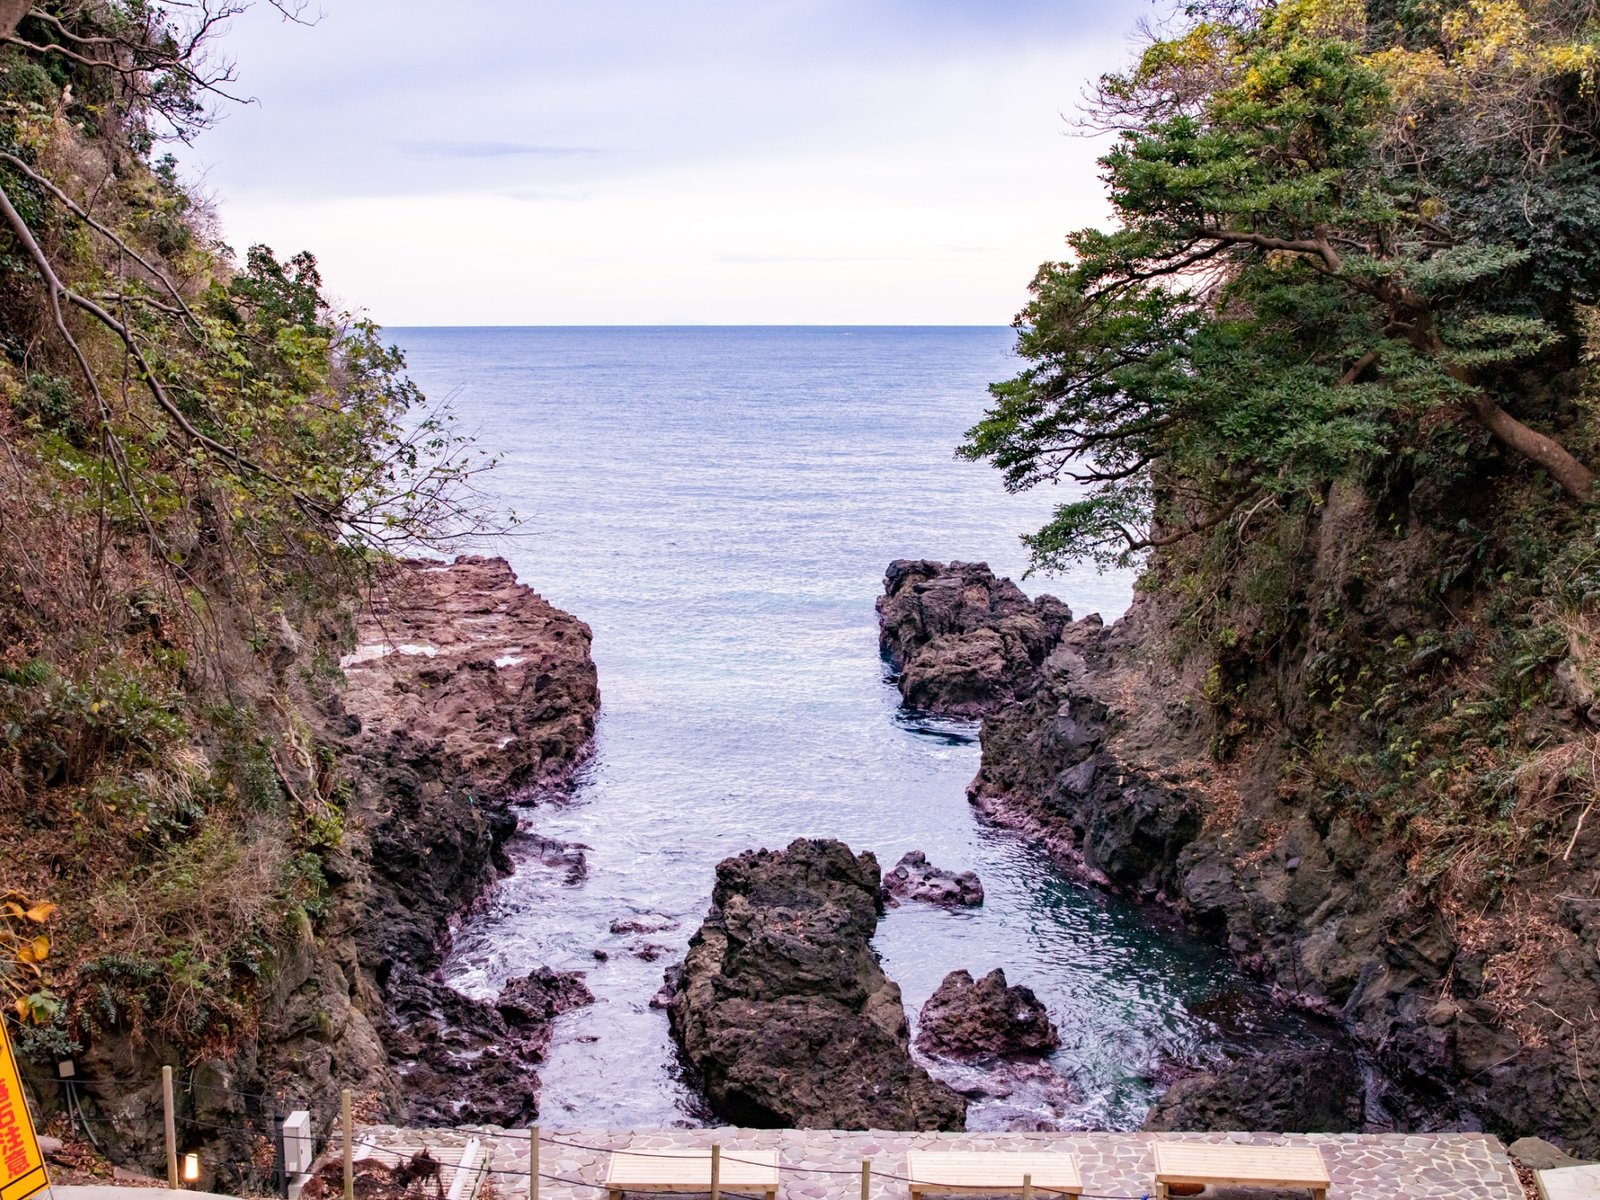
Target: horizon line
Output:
[(708, 325)]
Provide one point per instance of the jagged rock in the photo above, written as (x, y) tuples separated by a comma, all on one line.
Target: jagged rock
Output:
[(783, 1008), (960, 640), (533, 1001), (470, 1061), (552, 852), (644, 923), (1316, 1089), (465, 689), (914, 878), (984, 1019)]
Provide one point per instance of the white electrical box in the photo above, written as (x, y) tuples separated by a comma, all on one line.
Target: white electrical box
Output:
[(298, 1146)]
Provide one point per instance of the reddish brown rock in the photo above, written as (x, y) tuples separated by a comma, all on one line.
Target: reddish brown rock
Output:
[(465, 690), (984, 1018), (961, 641), (463, 659)]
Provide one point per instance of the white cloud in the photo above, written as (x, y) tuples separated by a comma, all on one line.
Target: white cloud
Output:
[(691, 163)]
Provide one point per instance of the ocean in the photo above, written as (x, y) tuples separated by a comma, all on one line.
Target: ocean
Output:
[(719, 504)]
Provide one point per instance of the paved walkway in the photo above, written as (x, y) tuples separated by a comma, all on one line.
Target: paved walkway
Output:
[(826, 1165)]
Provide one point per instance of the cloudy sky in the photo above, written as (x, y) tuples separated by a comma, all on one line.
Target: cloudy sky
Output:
[(510, 162)]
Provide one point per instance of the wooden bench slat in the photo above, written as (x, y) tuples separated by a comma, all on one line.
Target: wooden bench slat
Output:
[(1259, 1166), (690, 1170)]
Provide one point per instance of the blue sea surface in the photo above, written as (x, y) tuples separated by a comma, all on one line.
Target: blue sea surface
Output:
[(719, 504)]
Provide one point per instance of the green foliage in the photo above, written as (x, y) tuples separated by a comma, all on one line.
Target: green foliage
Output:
[(1317, 249)]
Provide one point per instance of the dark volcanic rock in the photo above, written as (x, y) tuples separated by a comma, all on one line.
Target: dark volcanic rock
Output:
[(984, 1019), (465, 689), (914, 878), (1298, 1090), (783, 1009), (535, 1000), (469, 1061), (960, 640)]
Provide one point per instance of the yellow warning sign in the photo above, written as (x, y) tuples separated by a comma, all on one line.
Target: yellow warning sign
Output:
[(21, 1165)]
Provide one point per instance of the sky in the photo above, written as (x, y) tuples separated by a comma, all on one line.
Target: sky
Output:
[(619, 162)]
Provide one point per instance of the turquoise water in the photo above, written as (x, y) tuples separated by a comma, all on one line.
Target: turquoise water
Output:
[(720, 505)]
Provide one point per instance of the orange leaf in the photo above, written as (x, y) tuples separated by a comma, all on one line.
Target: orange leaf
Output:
[(35, 951), (40, 912)]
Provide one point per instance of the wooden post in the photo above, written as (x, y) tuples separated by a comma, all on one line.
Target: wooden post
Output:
[(170, 1118), (349, 1148), (1027, 1187), (533, 1163), (716, 1171), (866, 1179)]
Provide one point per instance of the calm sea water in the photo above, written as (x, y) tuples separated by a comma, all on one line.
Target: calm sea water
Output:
[(720, 505)]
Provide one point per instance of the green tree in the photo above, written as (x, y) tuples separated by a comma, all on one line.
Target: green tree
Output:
[(1343, 234)]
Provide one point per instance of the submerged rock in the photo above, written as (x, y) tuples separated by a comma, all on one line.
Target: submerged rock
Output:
[(1315, 1089), (915, 878), (984, 1019), (552, 852), (960, 640), (783, 1009)]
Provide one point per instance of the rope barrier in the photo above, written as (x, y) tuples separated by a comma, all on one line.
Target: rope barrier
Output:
[(327, 1141)]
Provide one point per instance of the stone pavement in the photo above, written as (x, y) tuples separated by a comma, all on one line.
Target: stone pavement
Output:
[(826, 1164)]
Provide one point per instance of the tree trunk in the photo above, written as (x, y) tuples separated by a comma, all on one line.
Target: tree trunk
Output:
[(11, 14), (1575, 478)]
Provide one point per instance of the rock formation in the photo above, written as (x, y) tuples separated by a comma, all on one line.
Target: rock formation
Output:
[(464, 690), (467, 1061), (1119, 755), (961, 641), (985, 1018), (915, 878), (1290, 1090), (783, 1010)]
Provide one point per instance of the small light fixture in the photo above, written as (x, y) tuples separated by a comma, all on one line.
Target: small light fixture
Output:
[(191, 1168)]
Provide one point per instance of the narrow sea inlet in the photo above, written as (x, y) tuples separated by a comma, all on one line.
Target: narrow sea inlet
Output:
[(720, 505)]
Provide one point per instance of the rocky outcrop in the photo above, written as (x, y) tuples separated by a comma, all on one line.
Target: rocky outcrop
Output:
[(463, 663), (1290, 1090), (1124, 763), (465, 689), (469, 1062), (985, 1018), (960, 641), (915, 878), (783, 1010)]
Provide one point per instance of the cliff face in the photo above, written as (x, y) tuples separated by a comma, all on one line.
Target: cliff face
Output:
[(464, 690), (1239, 779)]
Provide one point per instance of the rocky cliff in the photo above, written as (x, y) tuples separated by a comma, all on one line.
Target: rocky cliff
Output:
[(1154, 765), (466, 689), (463, 691)]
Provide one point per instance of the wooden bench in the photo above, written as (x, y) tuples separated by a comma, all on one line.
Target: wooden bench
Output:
[(991, 1172), (1241, 1165), (690, 1171)]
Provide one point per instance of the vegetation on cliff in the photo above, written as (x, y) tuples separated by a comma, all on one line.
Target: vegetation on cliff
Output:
[(199, 459), (1356, 258), (1331, 380)]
